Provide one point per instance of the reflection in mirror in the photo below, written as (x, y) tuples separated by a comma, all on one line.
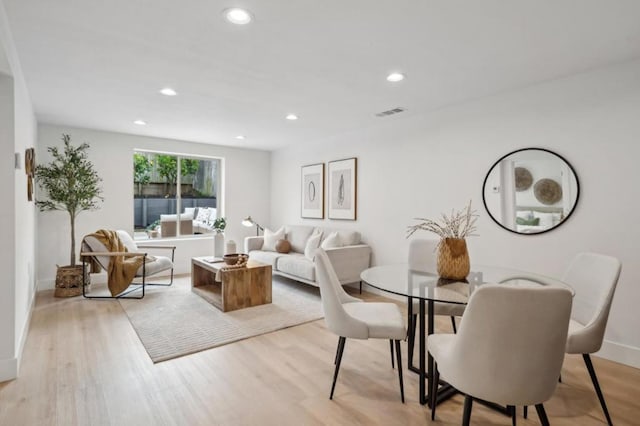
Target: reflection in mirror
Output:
[(531, 191)]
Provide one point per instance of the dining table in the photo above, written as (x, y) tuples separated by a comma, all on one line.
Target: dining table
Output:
[(428, 289)]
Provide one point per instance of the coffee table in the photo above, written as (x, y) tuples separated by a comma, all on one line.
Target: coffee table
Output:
[(237, 289)]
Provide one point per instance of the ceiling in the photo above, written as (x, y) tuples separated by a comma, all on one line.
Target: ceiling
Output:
[(100, 64)]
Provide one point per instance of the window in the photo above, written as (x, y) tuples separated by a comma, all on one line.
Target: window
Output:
[(174, 195)]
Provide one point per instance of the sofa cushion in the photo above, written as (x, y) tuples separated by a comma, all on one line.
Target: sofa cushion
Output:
[(298, 236), (312, 245), (333, 240), (271, 239), (268, 257), (348, 238), (298, 265)]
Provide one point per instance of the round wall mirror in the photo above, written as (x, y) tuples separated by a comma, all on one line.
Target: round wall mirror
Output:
[(531, 191)]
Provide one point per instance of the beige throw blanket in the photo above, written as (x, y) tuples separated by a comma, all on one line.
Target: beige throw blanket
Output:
[(121, 270)]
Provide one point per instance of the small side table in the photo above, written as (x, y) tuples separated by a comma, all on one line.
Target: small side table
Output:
[(239, 288)]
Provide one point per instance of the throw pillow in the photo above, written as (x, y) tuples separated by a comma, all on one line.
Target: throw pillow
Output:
[(271, 239), (312, 245), (283, 246), (332, 241), (531, 222), (203, 215)]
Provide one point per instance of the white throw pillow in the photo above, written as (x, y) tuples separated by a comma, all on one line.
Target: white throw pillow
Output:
[(546, 219), (312, 245), (332, 241), (271, 239), (203, 215)]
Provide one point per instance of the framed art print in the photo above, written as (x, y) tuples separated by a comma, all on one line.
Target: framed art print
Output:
[(312, 183), (343, 185)]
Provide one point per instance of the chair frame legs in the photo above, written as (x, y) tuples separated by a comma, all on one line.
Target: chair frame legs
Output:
[(138, 285), (596, 385), (341, 342), (338, 360), (542, 415), (466, 414)]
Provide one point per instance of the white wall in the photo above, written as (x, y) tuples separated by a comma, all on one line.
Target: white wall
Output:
[(246, 192), (423, 165), (17, 217)]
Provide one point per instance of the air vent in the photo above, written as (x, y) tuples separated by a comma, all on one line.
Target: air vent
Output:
[(390, 112)]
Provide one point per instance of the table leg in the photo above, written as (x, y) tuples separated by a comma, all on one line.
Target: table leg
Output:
[(430, 374), (422, 338)]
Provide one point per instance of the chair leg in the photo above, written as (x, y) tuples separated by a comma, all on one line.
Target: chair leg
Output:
[(466, 414), (434, 390), (526, 411), (542, 415), (512, 409), (341, 343), (399, 357), (412, 338), (391, 348), (360, 287), (453, 324), (594, 379)]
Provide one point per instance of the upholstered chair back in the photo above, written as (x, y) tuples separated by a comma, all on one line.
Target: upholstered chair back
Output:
[(593, 277), (511, 343), (423, 255), (333, 297)]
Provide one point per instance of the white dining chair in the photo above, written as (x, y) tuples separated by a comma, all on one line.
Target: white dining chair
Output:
[(349, 317), (422, 258), (593, 277), (509, 347)]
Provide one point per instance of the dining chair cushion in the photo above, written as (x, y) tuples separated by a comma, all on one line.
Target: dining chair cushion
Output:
[(384, 320)]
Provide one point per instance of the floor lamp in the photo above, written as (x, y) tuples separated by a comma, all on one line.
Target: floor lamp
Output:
[(250, 222)]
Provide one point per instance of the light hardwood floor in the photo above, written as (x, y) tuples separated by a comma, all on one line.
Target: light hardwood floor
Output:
[(84, 365)]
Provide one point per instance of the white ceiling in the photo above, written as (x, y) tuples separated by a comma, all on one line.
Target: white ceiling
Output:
[(99, 64)]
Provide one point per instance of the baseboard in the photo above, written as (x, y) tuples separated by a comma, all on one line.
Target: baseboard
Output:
[(624, 354), (25, 331), (8, 369)]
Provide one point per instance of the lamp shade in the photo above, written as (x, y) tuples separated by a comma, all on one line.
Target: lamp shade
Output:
[(248, 221)]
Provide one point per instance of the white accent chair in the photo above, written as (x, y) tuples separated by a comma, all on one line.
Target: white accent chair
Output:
[(95, 249), (594, 278), (349, 317), (422, 258), (509, 348)]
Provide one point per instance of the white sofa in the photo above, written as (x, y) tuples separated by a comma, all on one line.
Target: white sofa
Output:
[(348, 260)]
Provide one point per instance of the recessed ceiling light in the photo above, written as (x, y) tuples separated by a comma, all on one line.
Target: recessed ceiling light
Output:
[(168, 91), (241, 137), (291, 117), (140, 122), (237, 16), (395, 77)]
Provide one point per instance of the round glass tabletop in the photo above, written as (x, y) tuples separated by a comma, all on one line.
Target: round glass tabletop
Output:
[(399, 279)]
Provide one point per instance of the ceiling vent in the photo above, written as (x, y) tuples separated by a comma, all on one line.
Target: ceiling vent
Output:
[(390, 112)]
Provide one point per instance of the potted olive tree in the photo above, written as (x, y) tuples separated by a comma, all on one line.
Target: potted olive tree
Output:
[(71, 184)]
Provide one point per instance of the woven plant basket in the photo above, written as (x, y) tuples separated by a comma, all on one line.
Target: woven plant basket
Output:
[(453, 259), (69, 281)]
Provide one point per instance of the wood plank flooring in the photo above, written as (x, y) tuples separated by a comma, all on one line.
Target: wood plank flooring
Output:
[(84, 365)]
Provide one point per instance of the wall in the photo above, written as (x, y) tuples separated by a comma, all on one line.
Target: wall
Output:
[(17, 217), (246, 192), (422, 166)]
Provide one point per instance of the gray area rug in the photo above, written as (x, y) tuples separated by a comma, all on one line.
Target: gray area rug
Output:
[(173, 321)]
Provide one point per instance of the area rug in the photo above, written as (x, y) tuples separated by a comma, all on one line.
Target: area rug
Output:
[(173, 322)]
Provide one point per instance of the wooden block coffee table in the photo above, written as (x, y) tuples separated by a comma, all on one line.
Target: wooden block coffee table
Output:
[(237, 289)]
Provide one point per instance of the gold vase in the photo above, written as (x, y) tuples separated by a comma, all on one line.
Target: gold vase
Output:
[(453, 259)]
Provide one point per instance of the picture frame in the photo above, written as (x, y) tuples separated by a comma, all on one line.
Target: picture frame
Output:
[(343, 189), (30, 169), (312, 191)]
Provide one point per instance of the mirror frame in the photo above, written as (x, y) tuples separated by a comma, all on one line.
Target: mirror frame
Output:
[(575, 205)]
